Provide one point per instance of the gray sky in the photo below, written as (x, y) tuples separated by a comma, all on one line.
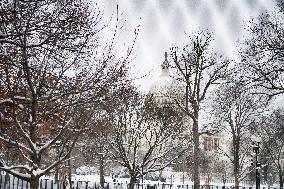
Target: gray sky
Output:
[(165, 22)]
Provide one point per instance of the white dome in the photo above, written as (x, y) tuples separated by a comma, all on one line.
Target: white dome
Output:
[(165, 86), (162, 85)]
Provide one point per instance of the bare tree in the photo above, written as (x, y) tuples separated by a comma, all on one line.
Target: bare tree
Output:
[(272, 130), (197, 68), (211, 166), (236, 109), (51, 78), (95, 148), (264, 53), (145, 138)]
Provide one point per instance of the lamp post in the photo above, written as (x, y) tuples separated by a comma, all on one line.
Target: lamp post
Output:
[(281, 176), (255, 147)]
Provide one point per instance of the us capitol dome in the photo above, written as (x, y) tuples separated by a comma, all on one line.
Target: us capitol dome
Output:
[(165, 88)]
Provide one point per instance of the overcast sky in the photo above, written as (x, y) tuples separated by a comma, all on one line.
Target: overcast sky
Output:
[(165, 22)]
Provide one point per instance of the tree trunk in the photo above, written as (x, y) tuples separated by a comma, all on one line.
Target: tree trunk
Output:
[(34, 182), (69, 174), (132, 182), (236, 141), (102, 177), (236, 173), (237, 181), (207, 182), (7, 179), (56, 177), (281, 180), (196, 153), (160, 176), (69, 167)]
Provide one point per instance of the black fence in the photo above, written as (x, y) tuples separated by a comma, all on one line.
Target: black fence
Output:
[(10, 182)]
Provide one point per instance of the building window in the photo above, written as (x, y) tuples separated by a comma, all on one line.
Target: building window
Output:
[(211, 143), (216, 143)]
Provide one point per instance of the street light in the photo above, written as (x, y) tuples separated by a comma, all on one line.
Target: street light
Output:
[(255, 148), (281, 168)]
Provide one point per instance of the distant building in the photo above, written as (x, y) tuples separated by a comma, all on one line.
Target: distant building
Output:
[(211, 143)]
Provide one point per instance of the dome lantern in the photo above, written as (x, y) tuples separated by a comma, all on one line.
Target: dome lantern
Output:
[(165, 65)]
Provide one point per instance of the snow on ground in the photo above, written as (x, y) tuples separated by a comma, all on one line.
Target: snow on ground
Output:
[(91, 181), (96, 179)]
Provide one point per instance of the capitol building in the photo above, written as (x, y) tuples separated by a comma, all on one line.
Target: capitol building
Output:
[(168, 91)]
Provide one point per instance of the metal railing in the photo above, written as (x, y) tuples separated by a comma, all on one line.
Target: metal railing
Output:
[(11, 182)]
